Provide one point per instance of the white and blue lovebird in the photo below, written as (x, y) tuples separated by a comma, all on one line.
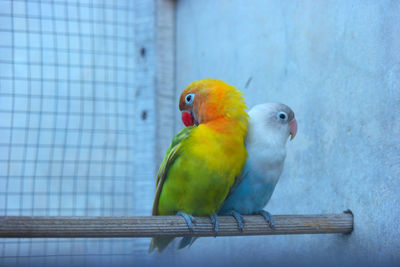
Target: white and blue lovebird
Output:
[(270, 126)]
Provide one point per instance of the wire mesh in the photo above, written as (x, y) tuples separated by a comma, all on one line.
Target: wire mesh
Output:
[(66, 128)]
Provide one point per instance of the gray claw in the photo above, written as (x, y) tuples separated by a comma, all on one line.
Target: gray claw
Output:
[(238, 217), (189, 219), (268, 217), (215, 222)]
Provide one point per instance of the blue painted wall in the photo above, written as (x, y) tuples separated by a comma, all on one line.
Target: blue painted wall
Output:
[(337, 64)]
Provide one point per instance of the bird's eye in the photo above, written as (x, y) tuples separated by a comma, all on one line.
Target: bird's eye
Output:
[(189, 99), (282, 116)]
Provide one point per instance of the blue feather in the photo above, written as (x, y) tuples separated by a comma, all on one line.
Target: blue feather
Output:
[(252, 194)]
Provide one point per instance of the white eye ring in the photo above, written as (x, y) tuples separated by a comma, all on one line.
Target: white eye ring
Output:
[(282, 116), (189, 99)]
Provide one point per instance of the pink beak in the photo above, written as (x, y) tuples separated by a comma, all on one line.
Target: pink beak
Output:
[(293, 128)]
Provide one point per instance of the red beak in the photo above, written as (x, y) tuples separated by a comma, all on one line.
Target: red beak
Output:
[(293, 128), (187, 118)]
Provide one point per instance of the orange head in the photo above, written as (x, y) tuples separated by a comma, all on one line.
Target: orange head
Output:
[(207, 100)]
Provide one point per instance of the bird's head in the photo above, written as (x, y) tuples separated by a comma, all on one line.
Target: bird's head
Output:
[(207, 100), (273, 120)]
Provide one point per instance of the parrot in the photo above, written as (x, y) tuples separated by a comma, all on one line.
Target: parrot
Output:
[(269, 127), (204, 158)]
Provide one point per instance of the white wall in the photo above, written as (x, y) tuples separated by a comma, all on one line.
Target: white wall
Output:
[(337, 64)]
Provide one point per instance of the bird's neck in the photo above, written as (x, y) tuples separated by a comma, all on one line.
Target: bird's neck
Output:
[(226, 125), (269, 140)]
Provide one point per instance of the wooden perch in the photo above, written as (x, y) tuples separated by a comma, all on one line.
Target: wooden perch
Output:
[(162, 226)]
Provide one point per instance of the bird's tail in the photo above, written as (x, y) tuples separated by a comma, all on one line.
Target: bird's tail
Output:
[(186, 241), (159, 243)]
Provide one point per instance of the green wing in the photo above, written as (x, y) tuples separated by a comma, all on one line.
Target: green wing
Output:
[(169, 158)]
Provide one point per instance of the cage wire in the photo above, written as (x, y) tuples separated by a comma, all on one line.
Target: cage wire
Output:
[(66, 131)]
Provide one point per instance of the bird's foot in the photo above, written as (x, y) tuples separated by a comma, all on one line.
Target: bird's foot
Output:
[(268, 218), (189, 219), (238, 217), (214, 221)]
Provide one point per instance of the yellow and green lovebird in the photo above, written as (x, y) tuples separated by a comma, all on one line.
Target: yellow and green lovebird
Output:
[(203, 160)]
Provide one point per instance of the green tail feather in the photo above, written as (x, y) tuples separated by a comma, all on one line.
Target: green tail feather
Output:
[(159, 243)]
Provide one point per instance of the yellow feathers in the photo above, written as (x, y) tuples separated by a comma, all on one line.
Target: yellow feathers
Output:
[(202, 162)]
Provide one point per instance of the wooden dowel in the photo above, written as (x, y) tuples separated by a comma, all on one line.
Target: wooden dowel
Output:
[(163, 226)]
